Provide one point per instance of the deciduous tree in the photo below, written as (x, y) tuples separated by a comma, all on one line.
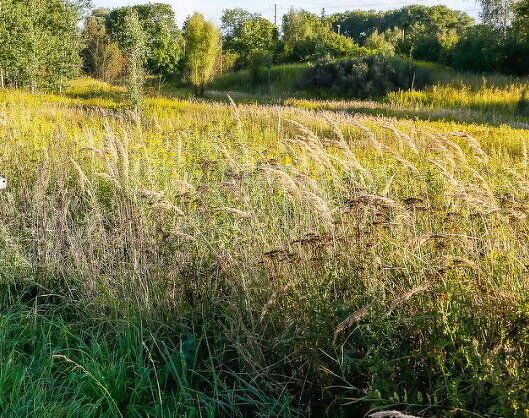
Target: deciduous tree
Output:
[(163, 40), (103, 58), (202, 44), (40, 42), (255, 37)]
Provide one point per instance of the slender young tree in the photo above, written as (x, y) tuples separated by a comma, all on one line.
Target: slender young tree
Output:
[(202, 44), (134, 44)]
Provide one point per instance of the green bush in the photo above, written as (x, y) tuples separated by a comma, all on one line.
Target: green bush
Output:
[(522, 107), (479, 50), (366, 77)]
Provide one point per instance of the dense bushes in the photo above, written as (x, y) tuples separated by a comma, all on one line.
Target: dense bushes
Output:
[(484, 48), (366, 77), (446, 36)]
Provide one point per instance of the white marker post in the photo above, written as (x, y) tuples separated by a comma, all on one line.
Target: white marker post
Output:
[(3, 183)]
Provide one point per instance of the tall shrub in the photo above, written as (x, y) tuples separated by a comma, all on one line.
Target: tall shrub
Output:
[(134, 43), (202, 44), (362, 78)]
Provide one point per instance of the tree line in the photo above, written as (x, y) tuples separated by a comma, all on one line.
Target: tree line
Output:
[(42, 44)]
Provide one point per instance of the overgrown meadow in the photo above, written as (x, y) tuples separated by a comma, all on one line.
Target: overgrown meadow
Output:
[(214, 259)]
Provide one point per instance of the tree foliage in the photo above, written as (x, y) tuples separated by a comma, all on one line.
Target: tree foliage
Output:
[(103, 58), (163, 38), (493, 47), (421, 32), (202, 44), (256, 36), (479, 49), (384, 43), (233, 19), (307, 37), (135, 45), (360, 24), (39, 42)]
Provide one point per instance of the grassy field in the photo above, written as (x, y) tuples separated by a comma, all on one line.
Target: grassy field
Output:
[(213, 259), (468, 98)]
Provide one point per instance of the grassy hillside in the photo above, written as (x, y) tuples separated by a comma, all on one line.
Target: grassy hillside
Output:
[(209, 259)]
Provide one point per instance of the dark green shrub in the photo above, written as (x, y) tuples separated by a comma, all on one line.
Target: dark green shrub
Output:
[(260, 63), (479, 49), (522, 107), (366, 77)]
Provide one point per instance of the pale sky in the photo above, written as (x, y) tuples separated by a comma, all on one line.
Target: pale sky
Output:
[(212, 9)]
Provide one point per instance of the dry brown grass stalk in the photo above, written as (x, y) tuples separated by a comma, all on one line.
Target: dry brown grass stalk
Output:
[(351, 320)]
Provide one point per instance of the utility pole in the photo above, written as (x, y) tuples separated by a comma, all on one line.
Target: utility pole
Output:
[(275, 15)]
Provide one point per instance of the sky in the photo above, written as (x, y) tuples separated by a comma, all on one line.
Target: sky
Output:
[(212, 9)]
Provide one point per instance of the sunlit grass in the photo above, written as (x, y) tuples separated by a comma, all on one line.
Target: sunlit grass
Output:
[(220, 259), (487, 98)]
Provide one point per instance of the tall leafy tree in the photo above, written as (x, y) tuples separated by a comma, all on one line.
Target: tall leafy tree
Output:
[(163, 38), (202, 44), (255, 37), (40, 42), (233, 19)]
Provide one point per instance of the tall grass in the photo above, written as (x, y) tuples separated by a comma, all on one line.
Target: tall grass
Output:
[(490, 99), (215, 259)]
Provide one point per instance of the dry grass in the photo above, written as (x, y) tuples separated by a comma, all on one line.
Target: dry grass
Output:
[(278, 229)]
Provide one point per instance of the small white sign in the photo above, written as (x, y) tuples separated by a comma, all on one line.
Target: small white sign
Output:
[(3, 183)]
